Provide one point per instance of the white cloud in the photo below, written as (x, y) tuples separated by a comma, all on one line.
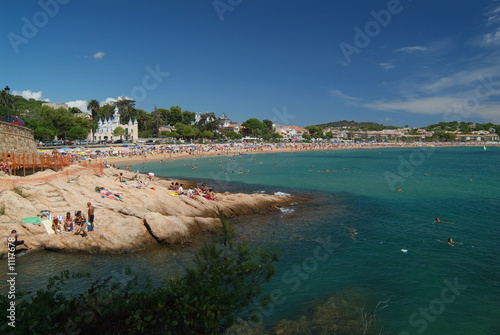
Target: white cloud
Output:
[(450, 107), (491, 39), (80, 104), (463, 79), (387, 66), (339, 94), (427, 105), (411, 50), (99, 55), (27, 94), (493, 16), (110, 101)]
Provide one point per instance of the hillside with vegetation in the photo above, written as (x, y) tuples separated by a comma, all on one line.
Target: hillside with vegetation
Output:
[(356, 126)]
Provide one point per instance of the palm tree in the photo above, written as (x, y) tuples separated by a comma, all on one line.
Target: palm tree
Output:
[(93, 107), (158, 120)]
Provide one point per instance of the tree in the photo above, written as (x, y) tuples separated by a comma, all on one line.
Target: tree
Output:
[(43, 133), (119, 131), (207, 121), (169, 134), (184, 130), (232, 135), (256, 126), (207, 134), (444, 136), (222, 286), (6, 99), (315, 131), (74, 110), (77, 133), (93, 107), (157, 117), (127, 110), (174, 115), (276, 136), (105, 112), (188, 117), (269, 125)]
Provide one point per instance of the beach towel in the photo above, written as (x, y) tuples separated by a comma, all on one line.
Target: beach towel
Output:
[(47, 224), (32, 219)]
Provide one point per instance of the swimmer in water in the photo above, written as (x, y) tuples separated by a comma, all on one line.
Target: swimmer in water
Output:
[(451, 242), (438, 220)]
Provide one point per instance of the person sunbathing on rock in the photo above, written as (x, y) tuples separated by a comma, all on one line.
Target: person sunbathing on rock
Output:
[(56, 225), (68, 222), (80, 222)]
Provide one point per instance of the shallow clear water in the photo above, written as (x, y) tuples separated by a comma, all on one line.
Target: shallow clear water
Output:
[(433, 288)]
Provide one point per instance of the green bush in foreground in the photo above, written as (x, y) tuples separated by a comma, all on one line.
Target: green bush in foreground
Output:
[(219, 287)]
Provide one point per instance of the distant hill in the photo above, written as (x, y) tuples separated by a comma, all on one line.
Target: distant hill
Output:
[(352, 125)]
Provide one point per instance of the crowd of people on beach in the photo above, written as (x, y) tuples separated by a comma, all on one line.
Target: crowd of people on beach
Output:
[(176, 187), (203, 191), (170, 152)]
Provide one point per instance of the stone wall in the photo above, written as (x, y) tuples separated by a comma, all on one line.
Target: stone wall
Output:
[(16, 139)]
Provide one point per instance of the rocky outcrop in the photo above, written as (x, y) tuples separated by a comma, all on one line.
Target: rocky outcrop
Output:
[(143, 217)]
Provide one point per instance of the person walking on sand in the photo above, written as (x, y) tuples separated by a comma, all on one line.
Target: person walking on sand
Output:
[(90, 215), (12, 239)]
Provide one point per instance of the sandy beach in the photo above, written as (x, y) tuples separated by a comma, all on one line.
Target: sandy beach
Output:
[(126, 157)]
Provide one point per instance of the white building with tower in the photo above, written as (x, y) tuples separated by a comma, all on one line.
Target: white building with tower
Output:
[(106, 127)]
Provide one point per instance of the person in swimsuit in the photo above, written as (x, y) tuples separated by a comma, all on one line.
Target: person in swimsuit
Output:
[(12, 239)]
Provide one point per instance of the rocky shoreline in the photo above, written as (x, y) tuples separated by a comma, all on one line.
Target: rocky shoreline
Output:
[(144, 216)]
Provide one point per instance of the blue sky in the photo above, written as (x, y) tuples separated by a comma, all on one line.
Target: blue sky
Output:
[(295, 62)]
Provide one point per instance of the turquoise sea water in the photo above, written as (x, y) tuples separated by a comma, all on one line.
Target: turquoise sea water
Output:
[(432, 288)]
